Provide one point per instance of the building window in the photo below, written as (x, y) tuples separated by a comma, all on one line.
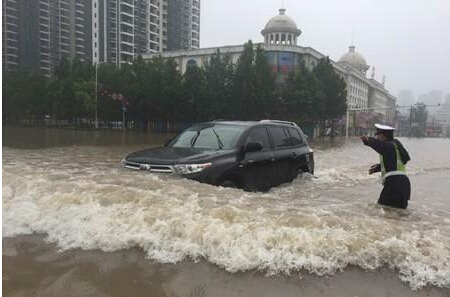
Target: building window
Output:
[(191, 63)]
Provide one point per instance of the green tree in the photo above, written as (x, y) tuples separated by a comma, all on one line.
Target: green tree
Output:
[(24, 95), (193, 98), (303, 98), (419, 116), (84, 95), (334, 89), (171, 91), (110, 82), (244, 98), (217, 90), (264, 86)]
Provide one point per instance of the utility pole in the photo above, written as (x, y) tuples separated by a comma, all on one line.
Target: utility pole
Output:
[(410, 121), (347, 124), (96, 97)]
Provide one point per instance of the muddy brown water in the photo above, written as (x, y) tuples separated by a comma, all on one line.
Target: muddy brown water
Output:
[(76, 223)]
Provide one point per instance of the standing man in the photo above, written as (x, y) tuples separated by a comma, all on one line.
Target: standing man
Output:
[(393, 157)]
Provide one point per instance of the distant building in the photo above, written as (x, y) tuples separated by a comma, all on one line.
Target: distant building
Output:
[(183, 24), (280, 37), (37, 34), (124, 29), (443, 113), (433, 97)]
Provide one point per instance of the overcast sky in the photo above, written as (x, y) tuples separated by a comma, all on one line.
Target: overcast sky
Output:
[(406, 40)]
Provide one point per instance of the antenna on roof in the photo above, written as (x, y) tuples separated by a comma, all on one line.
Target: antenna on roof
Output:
[(353, 37)]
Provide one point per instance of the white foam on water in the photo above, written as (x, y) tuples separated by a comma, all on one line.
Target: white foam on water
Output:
[(308, 225)]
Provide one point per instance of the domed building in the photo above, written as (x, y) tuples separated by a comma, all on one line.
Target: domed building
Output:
[(355, 60), (280, 43), (281, 29)]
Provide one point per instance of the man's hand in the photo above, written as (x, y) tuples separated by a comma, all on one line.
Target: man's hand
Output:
[(364, 138), (375, 168)]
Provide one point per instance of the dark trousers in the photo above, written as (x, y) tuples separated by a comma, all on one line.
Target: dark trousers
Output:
[(396, 191)]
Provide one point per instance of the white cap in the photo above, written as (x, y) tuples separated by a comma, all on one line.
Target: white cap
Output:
[(384, 127)]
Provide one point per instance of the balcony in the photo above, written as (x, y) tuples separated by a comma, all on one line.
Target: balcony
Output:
[(126, 3)]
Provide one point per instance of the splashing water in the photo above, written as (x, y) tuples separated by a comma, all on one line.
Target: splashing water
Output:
[(82, 198)]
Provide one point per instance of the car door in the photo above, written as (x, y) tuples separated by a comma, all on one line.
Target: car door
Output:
[(283, 153), (258, 167)]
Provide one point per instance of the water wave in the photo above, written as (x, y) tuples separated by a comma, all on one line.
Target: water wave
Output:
[(81, 198)]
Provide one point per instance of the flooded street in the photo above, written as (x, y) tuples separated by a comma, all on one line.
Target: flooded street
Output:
[(75, 221)]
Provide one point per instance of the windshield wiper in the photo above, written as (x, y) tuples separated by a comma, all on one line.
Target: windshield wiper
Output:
[(218, 139), (194, 139)]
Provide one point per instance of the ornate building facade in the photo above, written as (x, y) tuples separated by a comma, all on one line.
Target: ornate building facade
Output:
[(280, 37)]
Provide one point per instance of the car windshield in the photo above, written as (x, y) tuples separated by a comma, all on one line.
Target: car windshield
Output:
[(213, 136)]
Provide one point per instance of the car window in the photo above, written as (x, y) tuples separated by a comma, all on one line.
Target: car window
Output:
[(259, 135), (280, 139), (295, 138), (208, 137)]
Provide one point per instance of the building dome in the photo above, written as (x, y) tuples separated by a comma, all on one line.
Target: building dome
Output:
[(281, 22), (281, 29), (355, 60)]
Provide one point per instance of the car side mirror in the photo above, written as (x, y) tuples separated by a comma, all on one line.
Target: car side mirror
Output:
[(253, 147)]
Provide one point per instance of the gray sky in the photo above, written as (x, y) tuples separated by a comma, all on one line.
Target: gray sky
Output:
[(406, 40)]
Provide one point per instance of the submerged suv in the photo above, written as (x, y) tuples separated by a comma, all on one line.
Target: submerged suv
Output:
[(253, 156)]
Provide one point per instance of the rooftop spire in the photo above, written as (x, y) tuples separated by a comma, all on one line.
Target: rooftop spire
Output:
[(353, 37)]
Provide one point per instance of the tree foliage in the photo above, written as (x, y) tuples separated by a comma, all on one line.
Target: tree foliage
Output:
[(156, 90), (419, 116)]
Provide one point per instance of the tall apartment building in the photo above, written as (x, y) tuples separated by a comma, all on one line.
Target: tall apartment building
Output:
[(124, 29), (183, 24), (37, 34), (10, 34)]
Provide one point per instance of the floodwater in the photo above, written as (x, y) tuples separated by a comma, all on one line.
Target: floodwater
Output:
[(76, 223)]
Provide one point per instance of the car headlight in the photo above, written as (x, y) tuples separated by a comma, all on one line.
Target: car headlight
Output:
[(191, 168)]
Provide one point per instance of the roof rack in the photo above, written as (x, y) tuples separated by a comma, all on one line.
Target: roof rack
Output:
[(279, 122)]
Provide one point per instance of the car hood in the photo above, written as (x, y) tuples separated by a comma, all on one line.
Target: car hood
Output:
[(171, 155)]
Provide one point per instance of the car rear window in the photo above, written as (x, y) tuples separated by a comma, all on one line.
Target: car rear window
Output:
[(279, 136), (295, 138)]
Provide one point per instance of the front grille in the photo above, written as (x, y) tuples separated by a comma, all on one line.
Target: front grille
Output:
[(149, 167)]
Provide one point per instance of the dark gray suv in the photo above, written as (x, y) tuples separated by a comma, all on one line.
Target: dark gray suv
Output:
[(254, 156)]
